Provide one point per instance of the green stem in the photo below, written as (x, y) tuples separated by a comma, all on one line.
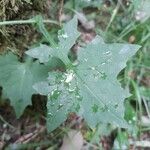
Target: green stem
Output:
[(138, 96), (40, 22), (29, 21)]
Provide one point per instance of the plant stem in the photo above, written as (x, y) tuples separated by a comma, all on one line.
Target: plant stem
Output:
[(29, 21)]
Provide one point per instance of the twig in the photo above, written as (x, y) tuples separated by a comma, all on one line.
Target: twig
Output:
[(60, 10), (4, 10), (30, 136), (2, 119)]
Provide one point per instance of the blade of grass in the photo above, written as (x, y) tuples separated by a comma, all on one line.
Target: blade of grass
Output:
[(113, 16)]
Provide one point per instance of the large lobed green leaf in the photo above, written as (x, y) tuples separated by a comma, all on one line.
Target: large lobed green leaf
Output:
[(100, 97)]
